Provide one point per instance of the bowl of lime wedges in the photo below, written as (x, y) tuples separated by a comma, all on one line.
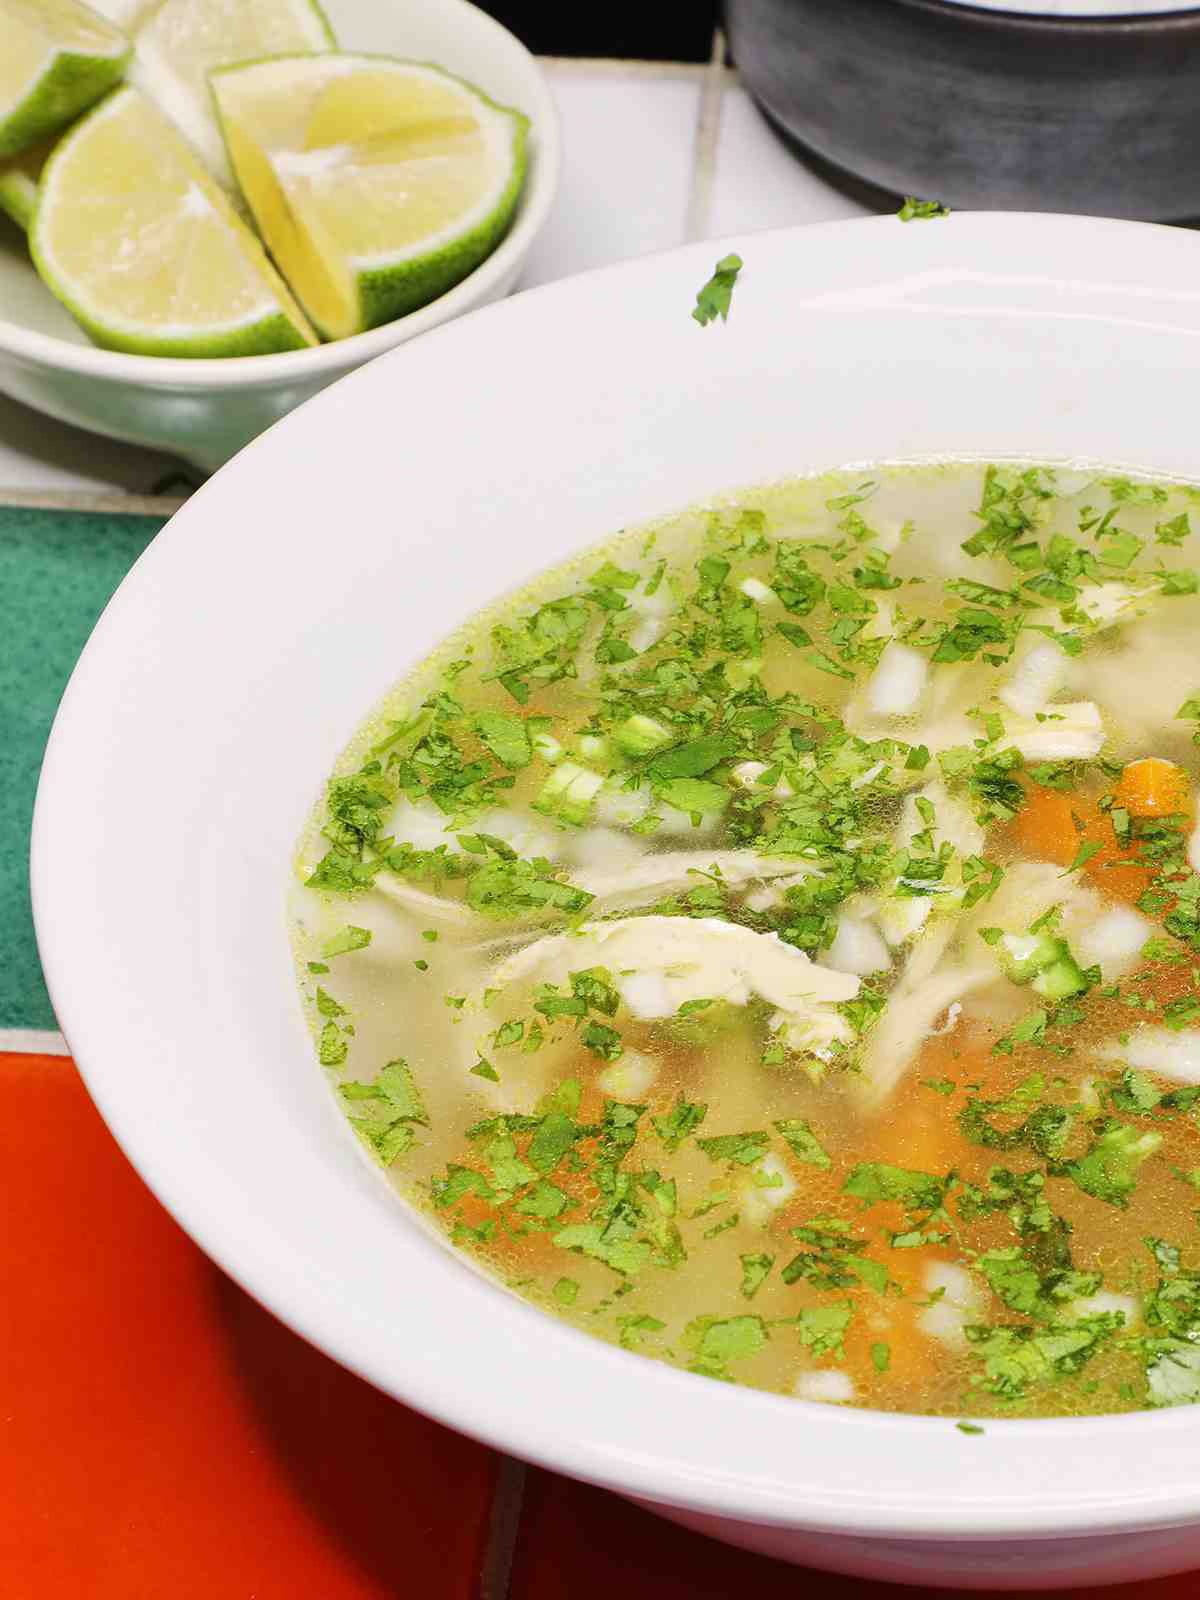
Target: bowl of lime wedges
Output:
[(208, 213)]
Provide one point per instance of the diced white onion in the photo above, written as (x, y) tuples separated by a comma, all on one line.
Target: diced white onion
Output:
[(527, 836), (675, 823), (1113, 942), (755, 589), (1036, 678), (420, 824), (604, 851), (646, 634), (629, 1078), (618, 807), (760, 1200), (1171, 1055), (659, 604), (961, 1302), (858, 947), (747, 773), (828, 1386), (1104, 1303), (895, 687), (861, 782)]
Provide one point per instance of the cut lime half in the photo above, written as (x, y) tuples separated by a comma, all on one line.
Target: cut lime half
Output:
[(143, 247), (57, 57), (182, 41), (377, 184), (124, 14)]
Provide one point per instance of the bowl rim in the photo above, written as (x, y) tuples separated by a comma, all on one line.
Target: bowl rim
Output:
[(327, 359), (653, 1468), (1011, 17)]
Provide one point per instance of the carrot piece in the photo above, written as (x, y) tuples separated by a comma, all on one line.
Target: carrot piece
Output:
[(1153, 787), (1051, 826), (1044, 828)]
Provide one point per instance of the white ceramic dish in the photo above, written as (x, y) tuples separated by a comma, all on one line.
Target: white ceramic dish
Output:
[(292, 589), (207, 410)]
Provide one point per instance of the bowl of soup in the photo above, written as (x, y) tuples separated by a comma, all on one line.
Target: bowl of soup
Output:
[(665, 936)]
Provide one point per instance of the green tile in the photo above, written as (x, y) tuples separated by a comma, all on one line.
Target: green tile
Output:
[(57, 570)]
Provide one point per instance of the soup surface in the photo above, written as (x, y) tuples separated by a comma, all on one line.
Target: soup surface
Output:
[(772, 943)]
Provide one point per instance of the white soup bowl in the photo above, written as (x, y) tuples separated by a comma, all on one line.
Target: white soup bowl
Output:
[(306, 577)]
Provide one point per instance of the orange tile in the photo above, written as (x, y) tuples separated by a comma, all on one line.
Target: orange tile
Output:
[(577, 1543), (161, 1436)]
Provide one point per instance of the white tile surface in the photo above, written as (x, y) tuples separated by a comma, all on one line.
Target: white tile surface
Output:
[(759, 183), (36, 452), (628, 145)]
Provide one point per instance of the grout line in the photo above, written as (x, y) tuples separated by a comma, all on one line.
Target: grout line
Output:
[(704, 149), (32, 1042), (504, 1525), (110, 500), (612, 66)]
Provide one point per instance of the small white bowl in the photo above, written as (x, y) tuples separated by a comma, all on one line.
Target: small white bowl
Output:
[(307, 576), (207, 410)]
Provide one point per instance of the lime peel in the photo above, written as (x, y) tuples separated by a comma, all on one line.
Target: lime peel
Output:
[(58, 58)]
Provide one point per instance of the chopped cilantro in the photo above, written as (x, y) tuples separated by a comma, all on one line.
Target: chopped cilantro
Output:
[(680, 1122), (327, 1006), (506, 736), (350, 938), (713, 299), (634, 1328), (332, 1048), (1108, 1170), (513, 888), (603, 1041), (742, 1148), (822, 1328), (914, 210), (875, 1181), (755, 1270), (803, 1142)]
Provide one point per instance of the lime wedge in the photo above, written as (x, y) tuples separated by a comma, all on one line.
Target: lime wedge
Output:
[(181, 42), (19, 178), (144, 248), (377, 184), (124, 14), (57, 57)]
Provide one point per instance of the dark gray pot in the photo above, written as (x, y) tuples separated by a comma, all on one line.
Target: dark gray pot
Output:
[(984, 109)]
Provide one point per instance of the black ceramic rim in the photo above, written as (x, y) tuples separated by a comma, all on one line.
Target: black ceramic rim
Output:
[(1152, 21)]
